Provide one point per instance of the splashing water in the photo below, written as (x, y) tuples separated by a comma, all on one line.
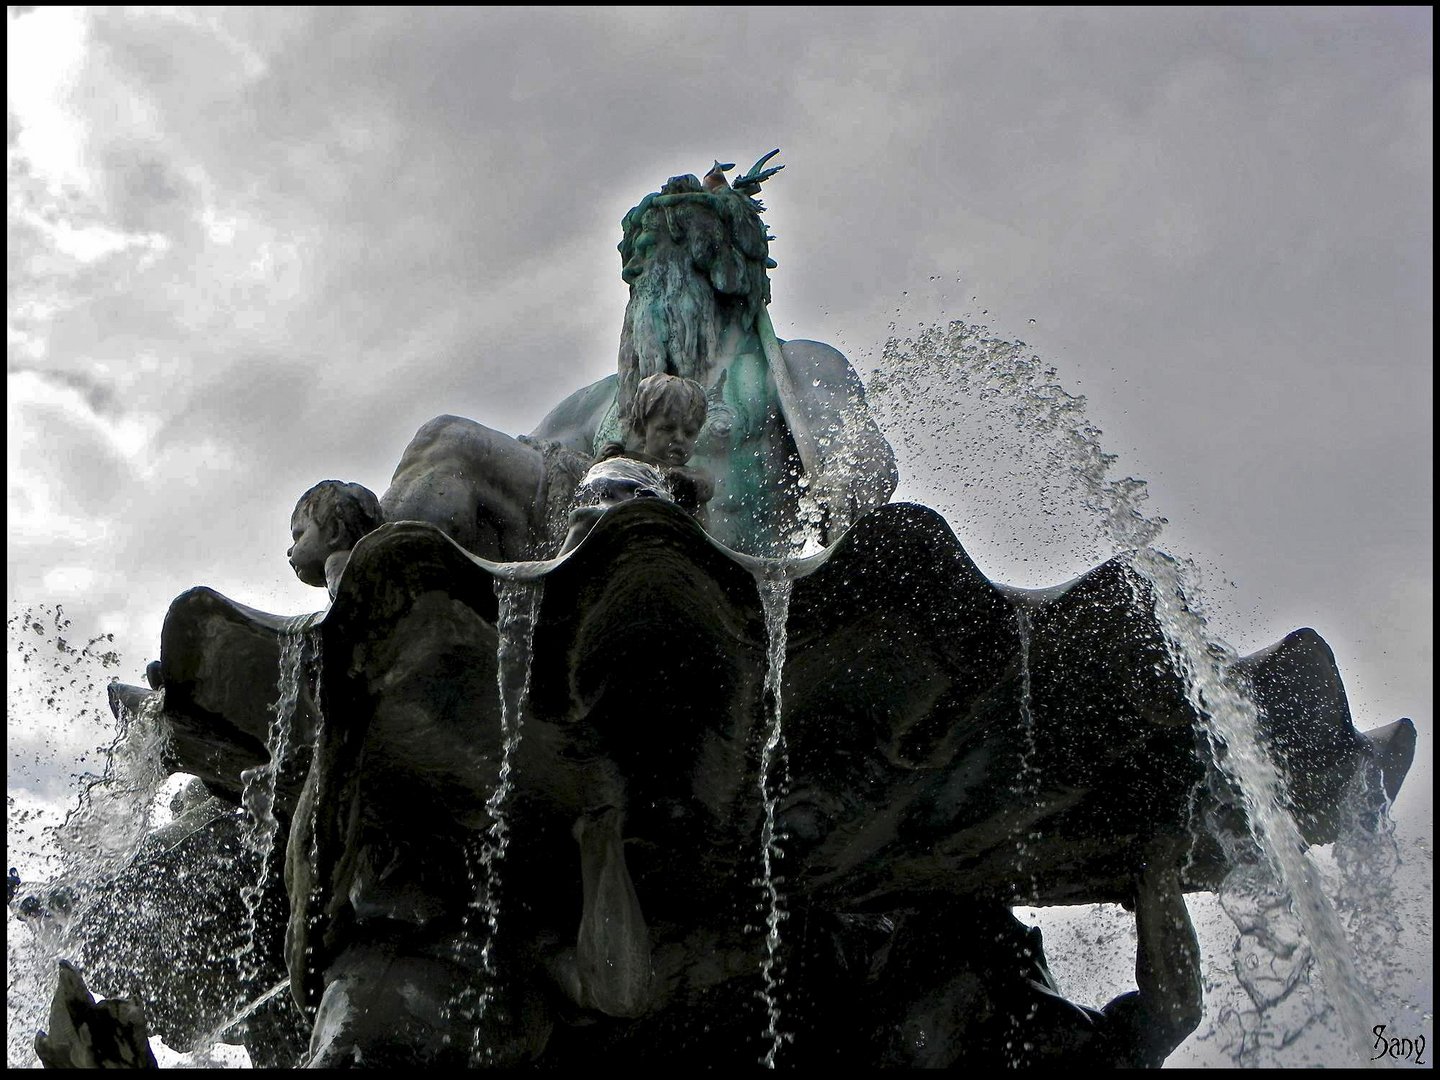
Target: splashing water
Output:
[(949, 371), (242, 1013), (515, 626), (775, 590), (133, 907), (67, 866), (985, 435), (1380, 908), (102, 835), (1231, 722)]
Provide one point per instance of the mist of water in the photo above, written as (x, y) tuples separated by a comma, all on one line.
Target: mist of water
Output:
[(66, 865), (953, 387)]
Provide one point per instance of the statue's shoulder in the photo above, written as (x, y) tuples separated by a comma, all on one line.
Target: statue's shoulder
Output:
[(827, 396), (823, 366), (574, 422)]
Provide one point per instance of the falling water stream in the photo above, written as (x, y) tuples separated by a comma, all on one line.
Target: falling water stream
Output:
[(1026, 789), (515, 627), (1026, 785), (967, 362), (1231, 721), (257, 795), (775, 590), (300, 645)]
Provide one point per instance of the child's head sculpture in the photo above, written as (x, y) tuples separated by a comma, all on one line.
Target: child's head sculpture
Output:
[(669, 414), (327, 522)]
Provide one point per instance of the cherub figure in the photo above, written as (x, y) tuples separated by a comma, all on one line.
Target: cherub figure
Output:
[(669, 414), (327, 522)]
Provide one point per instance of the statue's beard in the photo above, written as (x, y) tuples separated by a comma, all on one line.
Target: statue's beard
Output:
[(672, 326)]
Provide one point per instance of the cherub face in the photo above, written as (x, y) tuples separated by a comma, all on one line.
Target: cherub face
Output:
[(313, 545), (669, 434)]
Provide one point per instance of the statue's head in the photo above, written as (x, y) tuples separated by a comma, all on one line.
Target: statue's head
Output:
[(332, 516), (669, 413), (696, 256)]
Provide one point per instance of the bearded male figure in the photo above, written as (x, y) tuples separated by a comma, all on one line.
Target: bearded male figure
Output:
[(785, 419)]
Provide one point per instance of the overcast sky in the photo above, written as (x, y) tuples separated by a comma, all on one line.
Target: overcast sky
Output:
[(249, 250)]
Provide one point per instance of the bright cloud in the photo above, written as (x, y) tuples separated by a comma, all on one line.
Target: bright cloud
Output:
[(90, 243), (66, 581), (128, 434), (43, 51)]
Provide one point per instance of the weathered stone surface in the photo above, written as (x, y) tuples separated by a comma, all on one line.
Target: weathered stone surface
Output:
[(85, 1035)]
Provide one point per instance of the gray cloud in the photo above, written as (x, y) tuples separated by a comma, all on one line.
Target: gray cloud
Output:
[(1220, 219)]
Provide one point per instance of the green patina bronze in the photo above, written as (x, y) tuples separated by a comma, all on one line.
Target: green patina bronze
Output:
[(785, 418), (696, 257)]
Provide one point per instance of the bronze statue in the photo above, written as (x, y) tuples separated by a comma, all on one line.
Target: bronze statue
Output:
[(327, 522), (784, 417)]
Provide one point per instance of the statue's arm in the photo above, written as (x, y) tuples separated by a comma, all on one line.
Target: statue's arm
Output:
[(1147, 1025), (576, 420), (1167, 960)]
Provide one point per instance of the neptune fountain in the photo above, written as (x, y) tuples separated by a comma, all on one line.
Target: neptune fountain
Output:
[(661, 735)]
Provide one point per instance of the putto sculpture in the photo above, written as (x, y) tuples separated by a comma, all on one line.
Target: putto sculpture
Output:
[(328, 521), (577, 690), (670, 414)]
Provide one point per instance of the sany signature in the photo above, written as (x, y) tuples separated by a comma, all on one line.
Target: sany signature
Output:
[(1404, 1049)]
